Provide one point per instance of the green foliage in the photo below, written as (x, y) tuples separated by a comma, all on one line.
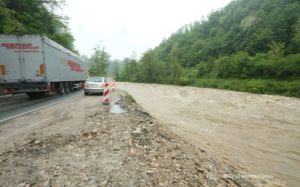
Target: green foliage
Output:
[(130, 70), (99, 62), (242, 65), (244, 25), (189, 75), (35, 17), (150, 67), (115, 71), (297, 31), (261, 86), (276, 49), (8, 24), (65, 39)]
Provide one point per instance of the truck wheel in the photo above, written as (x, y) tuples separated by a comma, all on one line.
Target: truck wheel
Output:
[(67, 87), (61, 89), (71, 87)]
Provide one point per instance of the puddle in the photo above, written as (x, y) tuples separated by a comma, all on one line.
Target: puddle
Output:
[(116, 109)]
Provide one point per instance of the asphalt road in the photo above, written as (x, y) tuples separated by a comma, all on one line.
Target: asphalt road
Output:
[(12, 106)]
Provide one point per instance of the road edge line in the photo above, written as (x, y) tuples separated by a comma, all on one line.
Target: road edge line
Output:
[(36, 109)]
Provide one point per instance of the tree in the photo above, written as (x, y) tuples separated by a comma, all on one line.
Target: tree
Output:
[(130, 70), (99, 62), (175, 69), (115, 70), (151, 67), (65, 39), (297, 31), (8, 23), (276, 49), (35, 17)]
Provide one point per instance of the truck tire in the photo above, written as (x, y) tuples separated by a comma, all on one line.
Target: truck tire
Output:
[(71, 87), (67, 87), (61, 89)]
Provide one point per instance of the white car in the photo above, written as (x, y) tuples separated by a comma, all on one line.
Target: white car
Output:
[(94, 85)]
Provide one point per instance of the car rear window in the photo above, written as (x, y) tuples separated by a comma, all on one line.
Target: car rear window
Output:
[(94, 79)]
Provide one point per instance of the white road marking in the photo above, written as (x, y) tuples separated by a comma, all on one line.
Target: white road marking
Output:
[(36, 109), (5, 103)]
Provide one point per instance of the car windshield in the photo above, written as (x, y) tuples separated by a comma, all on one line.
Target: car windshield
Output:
[(94, 79)]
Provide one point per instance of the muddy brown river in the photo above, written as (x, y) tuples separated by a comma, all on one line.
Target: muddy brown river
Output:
[(256, 133)]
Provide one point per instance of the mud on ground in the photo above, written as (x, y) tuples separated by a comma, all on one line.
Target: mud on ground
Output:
[(113, 149)]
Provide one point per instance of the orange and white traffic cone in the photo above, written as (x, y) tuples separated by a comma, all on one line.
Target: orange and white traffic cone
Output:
[(106, 95)]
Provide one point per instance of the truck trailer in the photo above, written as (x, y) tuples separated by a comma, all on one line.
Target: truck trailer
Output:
[(36, 65)]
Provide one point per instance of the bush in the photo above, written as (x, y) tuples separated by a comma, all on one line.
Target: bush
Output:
[(262, 86), (184, 81)]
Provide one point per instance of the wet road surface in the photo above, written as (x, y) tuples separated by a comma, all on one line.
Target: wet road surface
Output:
[(15, 105)]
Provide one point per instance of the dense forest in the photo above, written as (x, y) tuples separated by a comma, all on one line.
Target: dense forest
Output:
[(35, 17), (249, 45)]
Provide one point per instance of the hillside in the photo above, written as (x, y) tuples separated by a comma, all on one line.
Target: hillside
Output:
[(244, 25), (249, 45)]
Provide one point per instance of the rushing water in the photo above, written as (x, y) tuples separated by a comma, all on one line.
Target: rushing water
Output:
[(256, 133)]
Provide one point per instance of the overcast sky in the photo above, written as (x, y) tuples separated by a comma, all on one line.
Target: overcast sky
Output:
[(127, 26)]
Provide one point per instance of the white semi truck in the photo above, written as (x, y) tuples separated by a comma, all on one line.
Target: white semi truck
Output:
[(36, 65)]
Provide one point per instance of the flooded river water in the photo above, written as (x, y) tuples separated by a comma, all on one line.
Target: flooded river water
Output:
[(256, 133)]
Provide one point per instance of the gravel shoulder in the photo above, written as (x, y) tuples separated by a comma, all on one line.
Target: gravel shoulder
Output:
[(81, 143)]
